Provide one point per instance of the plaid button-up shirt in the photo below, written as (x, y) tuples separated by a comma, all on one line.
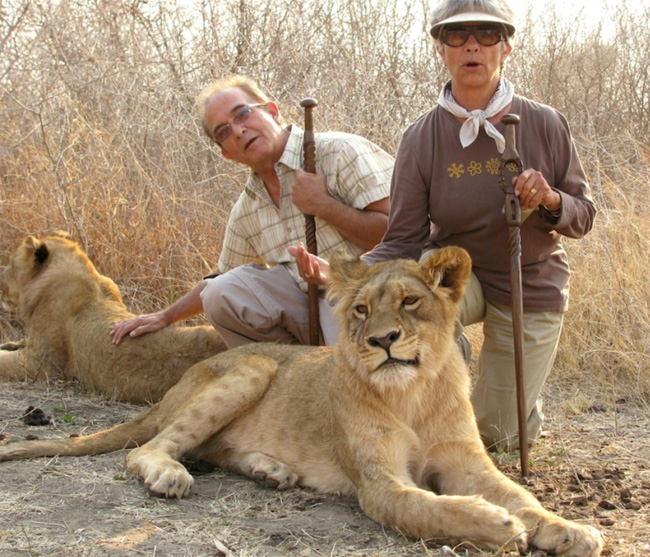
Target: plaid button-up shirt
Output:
[(358, 173)]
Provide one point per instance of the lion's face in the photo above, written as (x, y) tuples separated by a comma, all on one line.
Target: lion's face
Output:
[(397, 318)]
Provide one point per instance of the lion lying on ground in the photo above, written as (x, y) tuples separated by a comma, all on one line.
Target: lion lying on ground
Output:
[(384, 414), (68, 310)]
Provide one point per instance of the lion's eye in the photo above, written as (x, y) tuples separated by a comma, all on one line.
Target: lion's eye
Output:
[(410, 301), (361, 309)]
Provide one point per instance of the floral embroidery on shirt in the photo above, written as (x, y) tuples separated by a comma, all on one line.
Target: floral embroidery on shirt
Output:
[(474, 168), (512, 167), (493, 166), (456, 170)]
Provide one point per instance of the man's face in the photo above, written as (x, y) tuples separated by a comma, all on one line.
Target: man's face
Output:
[(256, 141)]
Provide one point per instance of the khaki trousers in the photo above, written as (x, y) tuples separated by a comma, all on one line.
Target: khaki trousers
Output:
[(254, 303), (494, 395)]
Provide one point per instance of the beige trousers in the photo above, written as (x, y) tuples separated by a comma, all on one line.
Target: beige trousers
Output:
[(494, 395), (254, 303)]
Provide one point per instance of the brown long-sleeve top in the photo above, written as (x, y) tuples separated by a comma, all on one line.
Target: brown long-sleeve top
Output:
[(443, 194)]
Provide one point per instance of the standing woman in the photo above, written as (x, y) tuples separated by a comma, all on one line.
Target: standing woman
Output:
[(445, 191)]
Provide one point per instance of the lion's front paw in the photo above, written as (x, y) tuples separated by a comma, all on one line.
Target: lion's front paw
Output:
[(558, 536), (496, 528), (160, 473)]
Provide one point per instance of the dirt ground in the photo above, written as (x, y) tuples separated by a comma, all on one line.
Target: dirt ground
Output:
[(593, 467)]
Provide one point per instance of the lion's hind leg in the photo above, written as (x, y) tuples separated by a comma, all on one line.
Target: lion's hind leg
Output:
[(211, 408)]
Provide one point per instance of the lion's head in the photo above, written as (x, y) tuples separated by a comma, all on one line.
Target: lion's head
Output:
[(49, 265), (397, 318), (24, 265)]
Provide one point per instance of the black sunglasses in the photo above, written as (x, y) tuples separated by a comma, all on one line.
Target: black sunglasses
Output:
[(485, 35)]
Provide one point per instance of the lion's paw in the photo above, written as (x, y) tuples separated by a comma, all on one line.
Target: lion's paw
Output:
[(497, 528), (163, 475), (558, 536), (173, 481), (277, 479), (13, 346), (272, 473)]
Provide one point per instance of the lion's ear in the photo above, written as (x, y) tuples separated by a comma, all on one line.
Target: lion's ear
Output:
[(346, 267), (38, 250), (346, 270), (449, 267)]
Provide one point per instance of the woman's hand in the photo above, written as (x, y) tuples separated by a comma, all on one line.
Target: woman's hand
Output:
[(312, 268), (533, 190)]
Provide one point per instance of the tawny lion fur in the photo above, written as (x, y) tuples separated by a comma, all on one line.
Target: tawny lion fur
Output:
[(68, 310), (384, 415)]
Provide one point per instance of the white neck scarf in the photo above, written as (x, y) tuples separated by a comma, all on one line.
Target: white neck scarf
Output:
[(477, 118)]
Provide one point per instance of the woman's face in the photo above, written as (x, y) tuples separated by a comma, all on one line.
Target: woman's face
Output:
[(473, 65)]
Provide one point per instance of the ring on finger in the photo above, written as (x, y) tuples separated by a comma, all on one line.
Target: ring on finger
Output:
[(533, 191)]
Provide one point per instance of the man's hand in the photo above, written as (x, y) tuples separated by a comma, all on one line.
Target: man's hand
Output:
[(309, 193), (312, 268), (139, 325)]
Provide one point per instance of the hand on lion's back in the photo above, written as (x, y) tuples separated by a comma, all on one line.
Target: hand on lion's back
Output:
[(67, 309)]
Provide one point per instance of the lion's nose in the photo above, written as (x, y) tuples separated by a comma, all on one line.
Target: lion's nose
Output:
[(386, 341)]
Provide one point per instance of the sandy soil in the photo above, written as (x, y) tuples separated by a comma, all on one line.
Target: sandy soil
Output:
[(593, 467)]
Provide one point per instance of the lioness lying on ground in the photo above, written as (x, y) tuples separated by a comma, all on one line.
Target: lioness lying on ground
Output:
[(68, 310), (384, 414)]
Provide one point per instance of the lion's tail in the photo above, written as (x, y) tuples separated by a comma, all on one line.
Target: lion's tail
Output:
[(123, 436)]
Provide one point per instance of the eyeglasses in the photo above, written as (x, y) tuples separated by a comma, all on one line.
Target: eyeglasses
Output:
[(485, 35), (222, 133)]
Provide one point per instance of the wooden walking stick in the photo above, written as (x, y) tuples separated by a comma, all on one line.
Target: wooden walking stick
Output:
[(512, 211), (309, 153)]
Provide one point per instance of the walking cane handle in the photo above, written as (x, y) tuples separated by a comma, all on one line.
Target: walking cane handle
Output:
[(510, 154), (309, 143)]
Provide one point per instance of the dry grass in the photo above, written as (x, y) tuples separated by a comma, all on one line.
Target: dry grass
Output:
[(606, 343)]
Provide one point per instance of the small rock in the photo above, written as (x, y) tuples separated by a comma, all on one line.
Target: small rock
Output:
[(36, 417)]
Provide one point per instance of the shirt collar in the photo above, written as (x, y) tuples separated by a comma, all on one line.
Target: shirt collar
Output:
[(292, 155)]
